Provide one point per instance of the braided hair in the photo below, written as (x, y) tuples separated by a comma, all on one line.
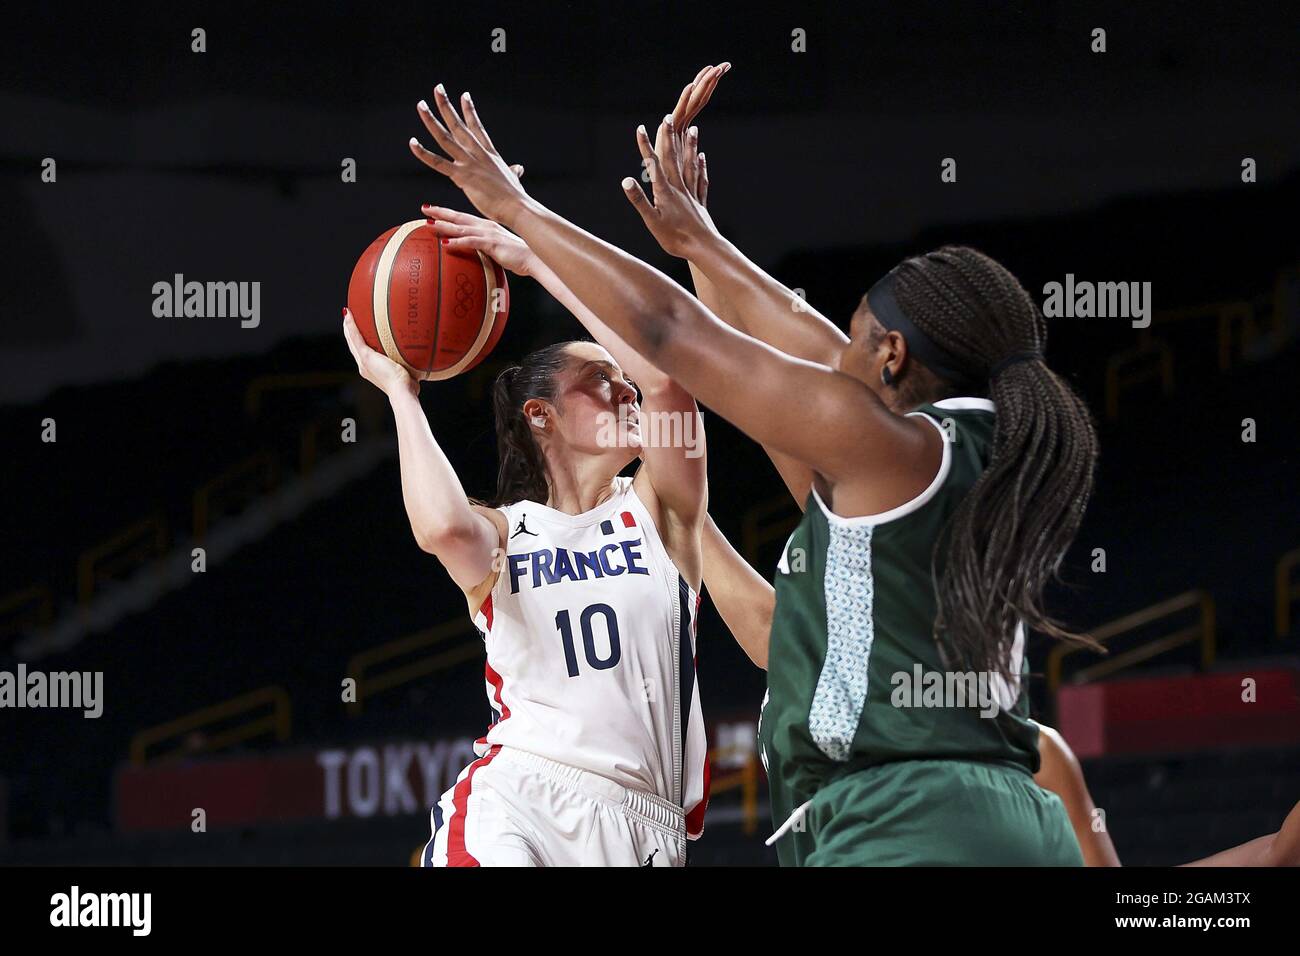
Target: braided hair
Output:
[(1009, 535)]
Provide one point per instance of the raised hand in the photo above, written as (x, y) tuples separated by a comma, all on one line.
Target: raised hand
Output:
[(677, 218), (464, 230), (696, 94), (694, 97), (472, 162)]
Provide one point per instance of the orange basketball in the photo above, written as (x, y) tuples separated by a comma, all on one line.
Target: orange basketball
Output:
[(435, 310)]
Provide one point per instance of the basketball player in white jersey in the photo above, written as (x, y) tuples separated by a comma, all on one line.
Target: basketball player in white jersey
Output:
[(585, 587)]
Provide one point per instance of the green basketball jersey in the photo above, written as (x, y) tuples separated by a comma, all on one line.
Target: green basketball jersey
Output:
[(855, 676)]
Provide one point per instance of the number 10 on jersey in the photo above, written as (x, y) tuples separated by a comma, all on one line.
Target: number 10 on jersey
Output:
[(565, 627)]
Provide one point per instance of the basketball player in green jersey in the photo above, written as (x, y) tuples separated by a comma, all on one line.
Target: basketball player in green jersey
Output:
[(945, 469), (745, 600)]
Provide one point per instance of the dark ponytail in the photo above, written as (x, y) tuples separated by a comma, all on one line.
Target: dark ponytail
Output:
[(1010, 533), (522, 473)]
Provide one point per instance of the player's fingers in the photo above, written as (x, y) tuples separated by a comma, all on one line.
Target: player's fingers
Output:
[(649, 160), (430, 159), (704, 92), (637, 197), (352, 335), (455, 125), (475, 124), (478, 243), (689, 144), (672, 163), (444, 228), (518, 170), (442, 213), (661, 143), (702, 183), (699, 96), (690, 159), (683, 101), (440, 135)]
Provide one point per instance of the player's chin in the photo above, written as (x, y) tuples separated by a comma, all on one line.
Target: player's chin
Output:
[(631, 437)]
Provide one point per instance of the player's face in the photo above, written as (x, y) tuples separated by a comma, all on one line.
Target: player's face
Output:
[(599, 411)]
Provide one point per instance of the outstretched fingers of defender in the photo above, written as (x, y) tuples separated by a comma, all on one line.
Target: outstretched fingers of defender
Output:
[(696, 94), (640, 202), (438, 164), (446, 142), (667, 146), (475, 125), (649, 158), (690, 161), (455, 125), (702, 93), (681, 110)]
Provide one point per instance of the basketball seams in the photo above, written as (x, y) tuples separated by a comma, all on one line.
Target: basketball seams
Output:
[(484, 330), (382, 292), (437, 313)]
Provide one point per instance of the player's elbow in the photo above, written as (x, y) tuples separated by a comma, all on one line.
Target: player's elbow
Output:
[(438, 537)]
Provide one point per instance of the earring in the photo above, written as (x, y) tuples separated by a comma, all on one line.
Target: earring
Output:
[(887, 376), (539, 421)]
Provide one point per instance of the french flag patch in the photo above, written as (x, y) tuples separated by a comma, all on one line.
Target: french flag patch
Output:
[(607, 527)]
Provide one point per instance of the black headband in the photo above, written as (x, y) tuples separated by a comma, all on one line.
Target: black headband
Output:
[(890, 315)]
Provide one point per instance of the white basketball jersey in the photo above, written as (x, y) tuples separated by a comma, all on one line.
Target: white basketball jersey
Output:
[(590, 637)]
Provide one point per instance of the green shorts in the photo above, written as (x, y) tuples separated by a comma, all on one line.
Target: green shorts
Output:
[(939, 813)]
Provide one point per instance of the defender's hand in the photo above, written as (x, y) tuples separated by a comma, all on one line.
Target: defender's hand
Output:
[(676, 218), (472, 162)]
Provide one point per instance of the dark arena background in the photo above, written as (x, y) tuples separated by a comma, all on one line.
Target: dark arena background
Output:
[(1171, 157)]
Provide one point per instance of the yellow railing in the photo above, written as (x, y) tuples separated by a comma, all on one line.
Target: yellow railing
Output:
[(132, 547), (1131, 367), (33, 606), (1201, 631), (259, 387), (259, 471), (770, 520), (368, 686), (1286, 590), (192, 725), (745, 779)]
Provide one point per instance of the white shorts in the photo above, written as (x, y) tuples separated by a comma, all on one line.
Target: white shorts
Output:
[(513, 808)]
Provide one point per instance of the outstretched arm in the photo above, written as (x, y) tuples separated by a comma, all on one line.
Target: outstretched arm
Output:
[(737, 290), (1060, 772), (462, 536), (1277, 849), (853, 438), (809, 342), (742, 596)]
